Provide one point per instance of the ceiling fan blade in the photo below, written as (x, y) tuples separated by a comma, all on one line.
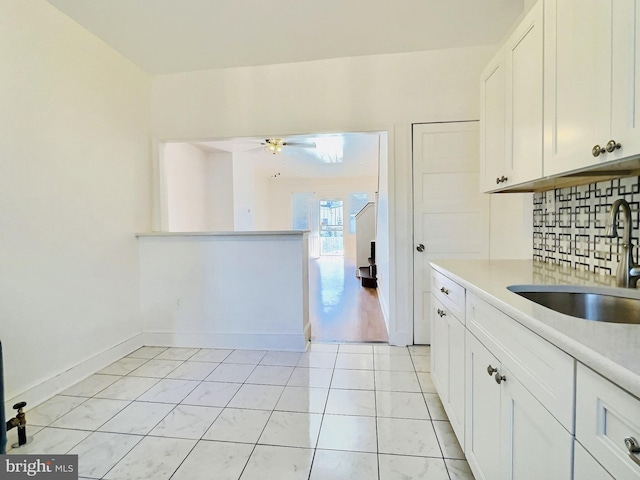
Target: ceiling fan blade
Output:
[(300, 144)]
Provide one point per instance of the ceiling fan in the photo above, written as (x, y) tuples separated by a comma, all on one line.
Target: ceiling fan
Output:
[(276, 145)]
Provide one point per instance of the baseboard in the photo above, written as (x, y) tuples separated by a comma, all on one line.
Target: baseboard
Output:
[(295, 342), (45, 388)]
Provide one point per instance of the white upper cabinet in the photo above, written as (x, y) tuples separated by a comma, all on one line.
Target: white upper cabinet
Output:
[(591, 70), (511, 107)]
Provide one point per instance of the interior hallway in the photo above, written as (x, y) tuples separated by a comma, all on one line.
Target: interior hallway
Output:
[(340, 309)]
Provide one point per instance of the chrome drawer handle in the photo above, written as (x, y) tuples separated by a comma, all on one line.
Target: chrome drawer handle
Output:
[(444, 290), (634, 448), (442, 313), (491, 370)]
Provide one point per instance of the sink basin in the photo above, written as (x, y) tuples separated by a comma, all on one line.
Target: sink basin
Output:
[(614, 305)]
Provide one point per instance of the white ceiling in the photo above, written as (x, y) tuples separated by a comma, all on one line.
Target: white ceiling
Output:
[(169, 36), (360, 156)]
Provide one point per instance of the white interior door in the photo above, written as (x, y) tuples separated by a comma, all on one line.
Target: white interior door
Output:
[(450, 215)]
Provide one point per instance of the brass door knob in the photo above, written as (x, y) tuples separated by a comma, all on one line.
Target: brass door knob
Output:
[(612, 145)]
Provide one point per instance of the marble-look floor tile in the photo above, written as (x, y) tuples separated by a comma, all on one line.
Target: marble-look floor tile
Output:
[(354, 361), (353, 379), (51, 410), (213, 355), (323, 347), (459, 469), (51, 440), (193, 370), (355, 348), (351, 402), (398, 467), (394, 363), (154, 458), (91, 414), (269, 375), (214, 460), (259, 397), (422, 364), (390, 350), (252, 357), (426, 383), (212, 394), (333, 464), (238, 425), (128, 388), (397, 381), (345, 432), (147, 352), (169, 390), (317, 360), (303, 399), (123, 366), (187, 421), (138, 418), (91, 385), (448, 441), (156, 368), (434, 404), (401, 436), (175, 353), (291, 429), (231, 373), (281, 359), (311, 377), (419, 350), (401, 405), (99, 452), (282, 463), (12, 436)]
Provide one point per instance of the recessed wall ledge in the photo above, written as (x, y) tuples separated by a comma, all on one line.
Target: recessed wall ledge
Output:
[(222, 234)]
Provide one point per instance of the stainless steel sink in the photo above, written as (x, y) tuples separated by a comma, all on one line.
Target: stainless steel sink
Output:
[(615, 305)]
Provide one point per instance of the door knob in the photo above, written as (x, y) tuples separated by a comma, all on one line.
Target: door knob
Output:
[(420, 248), (491, 370), (597, 150), (612, 145)]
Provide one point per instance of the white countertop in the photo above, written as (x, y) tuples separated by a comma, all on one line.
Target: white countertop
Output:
[(222, 234), (611, 349)]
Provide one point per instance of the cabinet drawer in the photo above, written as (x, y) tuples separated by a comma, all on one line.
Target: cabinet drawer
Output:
[(605, 416), (545, 370), (449, 293)]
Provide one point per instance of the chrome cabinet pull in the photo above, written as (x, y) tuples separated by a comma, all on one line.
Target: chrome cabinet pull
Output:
[(634, 449), (501, 179), (597, 150), (442, 313), (612, 145), (444, 290), (500, 378), (420, 248), (491, 370)]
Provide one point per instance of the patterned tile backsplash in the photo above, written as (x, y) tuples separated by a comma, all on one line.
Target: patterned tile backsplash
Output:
[(569, 224)]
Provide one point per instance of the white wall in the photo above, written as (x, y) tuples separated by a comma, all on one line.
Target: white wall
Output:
[(243, 192), (221, 191), (373, 93), (75, 183), (511, 226), (225, 290), (187, 170)]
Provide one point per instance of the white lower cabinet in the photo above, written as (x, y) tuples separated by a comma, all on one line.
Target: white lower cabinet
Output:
[(447, 364), (585, 467), (509, 434)]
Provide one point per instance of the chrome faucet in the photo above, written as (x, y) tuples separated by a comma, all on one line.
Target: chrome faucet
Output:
[(628, 271)]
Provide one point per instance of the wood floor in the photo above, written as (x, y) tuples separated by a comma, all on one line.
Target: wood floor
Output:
[(340, 309)]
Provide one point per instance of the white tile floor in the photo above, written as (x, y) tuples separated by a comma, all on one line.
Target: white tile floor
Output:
[(350, 411)]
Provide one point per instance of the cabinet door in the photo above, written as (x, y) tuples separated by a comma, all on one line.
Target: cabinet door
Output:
[(626, 78), (533, 443), (585, 466), (457, 396), (524, 100), (482, 420), (492, 124), (440, 349), (577, 87)]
